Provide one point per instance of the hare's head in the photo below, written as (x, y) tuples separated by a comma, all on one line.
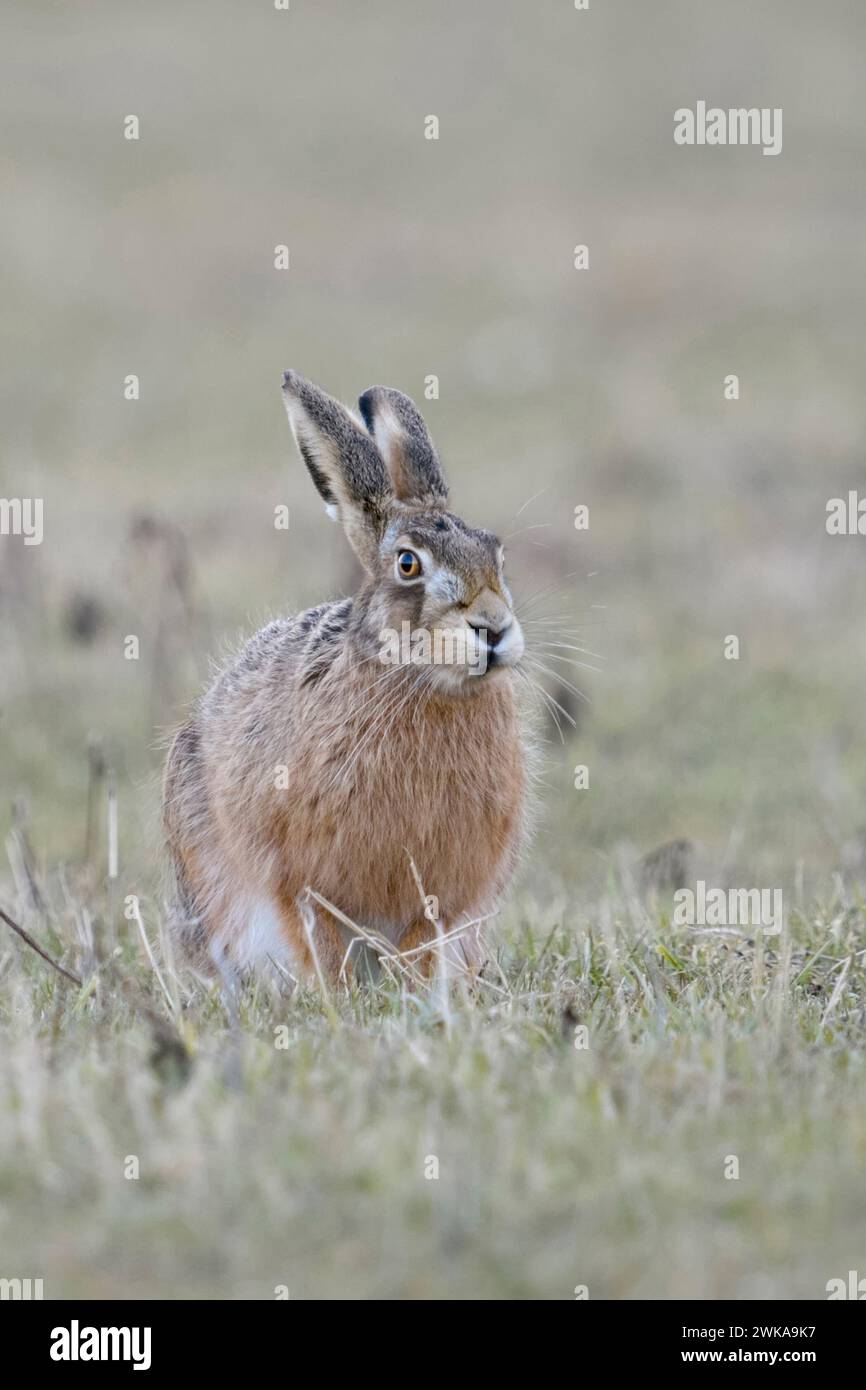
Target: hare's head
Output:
[(435, 595)]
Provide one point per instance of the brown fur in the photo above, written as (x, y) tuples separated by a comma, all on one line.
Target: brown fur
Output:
[(385, 767)]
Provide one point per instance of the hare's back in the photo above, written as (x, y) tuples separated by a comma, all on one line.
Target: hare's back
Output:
[(286, 651)]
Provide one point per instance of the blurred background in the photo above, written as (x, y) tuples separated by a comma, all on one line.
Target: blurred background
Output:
[(412, 258)]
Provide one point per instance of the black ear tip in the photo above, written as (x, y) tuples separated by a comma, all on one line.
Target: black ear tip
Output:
[(367, 406)]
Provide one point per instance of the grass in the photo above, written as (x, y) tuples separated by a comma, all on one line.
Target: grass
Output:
[(292, 1149)]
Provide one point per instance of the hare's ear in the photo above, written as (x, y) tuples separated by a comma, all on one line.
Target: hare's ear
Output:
[(402, 439), (343, 462)]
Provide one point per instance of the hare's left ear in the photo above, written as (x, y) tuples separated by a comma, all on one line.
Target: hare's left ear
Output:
[(342, 461), (402, 439)]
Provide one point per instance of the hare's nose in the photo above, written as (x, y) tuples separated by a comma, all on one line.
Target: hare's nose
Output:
[(492, 635)]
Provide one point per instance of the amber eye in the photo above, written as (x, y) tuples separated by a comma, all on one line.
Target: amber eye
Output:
[(408, 565)]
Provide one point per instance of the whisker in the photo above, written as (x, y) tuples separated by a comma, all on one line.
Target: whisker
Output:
[(371, 694), (537, 526), (393, 707), (548, 671), (551, 589), (553, 706), (551, 648), (570, 661), (530, 500), (381, 705)]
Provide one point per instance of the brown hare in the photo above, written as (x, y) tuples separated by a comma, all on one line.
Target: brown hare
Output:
[(370, 749)]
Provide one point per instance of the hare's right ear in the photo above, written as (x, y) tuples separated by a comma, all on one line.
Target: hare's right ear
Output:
[(343, 462), (402, 439)]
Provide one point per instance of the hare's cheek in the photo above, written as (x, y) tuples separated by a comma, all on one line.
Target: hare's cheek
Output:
[(442, 590), (411, 605)]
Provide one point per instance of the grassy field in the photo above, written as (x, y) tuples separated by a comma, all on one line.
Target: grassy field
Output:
[(296, 1151), (559, 1166)]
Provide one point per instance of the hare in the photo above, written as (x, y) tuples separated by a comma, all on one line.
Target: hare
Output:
[(371, 749)]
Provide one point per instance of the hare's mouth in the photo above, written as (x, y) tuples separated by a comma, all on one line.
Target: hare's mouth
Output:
[(461, 681), (455, 657), (501, 647)]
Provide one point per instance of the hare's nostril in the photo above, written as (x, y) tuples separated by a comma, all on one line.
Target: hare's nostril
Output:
[(492, 636)]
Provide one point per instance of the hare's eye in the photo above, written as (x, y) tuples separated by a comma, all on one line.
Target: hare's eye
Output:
[(408, 565)]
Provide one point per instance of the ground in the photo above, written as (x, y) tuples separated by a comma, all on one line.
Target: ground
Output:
[(640, 1109)]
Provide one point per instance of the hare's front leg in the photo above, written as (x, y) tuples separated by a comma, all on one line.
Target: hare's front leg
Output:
[(418, 935), (462, 948), (315, 940)]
